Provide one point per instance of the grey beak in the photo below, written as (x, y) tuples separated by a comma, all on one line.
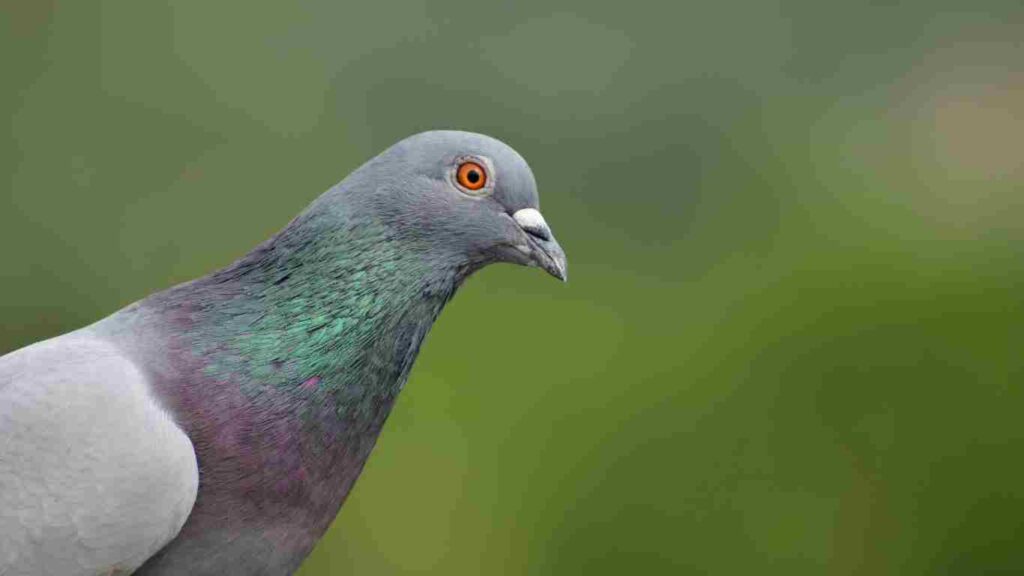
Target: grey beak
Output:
[(545, 251)]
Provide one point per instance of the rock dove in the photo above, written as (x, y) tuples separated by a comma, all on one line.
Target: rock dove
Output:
[(216, 427)]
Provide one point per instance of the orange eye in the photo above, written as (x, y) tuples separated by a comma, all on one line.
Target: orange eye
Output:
[(471, 176)]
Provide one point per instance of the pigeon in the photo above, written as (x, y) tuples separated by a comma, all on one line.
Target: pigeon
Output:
[(217, 427)]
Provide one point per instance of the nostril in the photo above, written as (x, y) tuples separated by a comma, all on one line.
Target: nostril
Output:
[(530, 220), (538, 232)]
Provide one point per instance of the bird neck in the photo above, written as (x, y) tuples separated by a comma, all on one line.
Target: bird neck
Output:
[(283, 367), (326, 317)]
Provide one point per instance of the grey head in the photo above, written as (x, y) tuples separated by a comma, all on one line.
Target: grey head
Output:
[(465, 197)]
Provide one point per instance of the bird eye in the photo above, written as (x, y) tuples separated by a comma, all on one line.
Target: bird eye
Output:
[(471, 176)]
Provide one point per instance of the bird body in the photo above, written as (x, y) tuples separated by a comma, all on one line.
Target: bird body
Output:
[(220, 424)]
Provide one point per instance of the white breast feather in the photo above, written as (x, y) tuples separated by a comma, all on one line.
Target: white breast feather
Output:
[(94, 476)]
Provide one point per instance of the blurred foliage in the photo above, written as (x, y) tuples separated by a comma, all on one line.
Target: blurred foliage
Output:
[(791, 338)]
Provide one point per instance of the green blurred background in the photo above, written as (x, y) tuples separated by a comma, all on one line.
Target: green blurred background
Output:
[(791, 341)]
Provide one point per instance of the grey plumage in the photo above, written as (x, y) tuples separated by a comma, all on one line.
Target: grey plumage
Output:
[(251, 398)]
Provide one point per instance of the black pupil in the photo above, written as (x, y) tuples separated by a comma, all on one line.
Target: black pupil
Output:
[(473, 176)]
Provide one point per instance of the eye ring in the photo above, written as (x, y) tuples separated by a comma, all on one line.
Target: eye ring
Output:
[(471, 176)]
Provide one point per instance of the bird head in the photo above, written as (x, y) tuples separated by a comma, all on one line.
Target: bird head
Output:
[(467, 196)]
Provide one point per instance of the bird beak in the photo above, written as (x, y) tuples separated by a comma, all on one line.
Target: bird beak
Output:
[(544, 249)]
